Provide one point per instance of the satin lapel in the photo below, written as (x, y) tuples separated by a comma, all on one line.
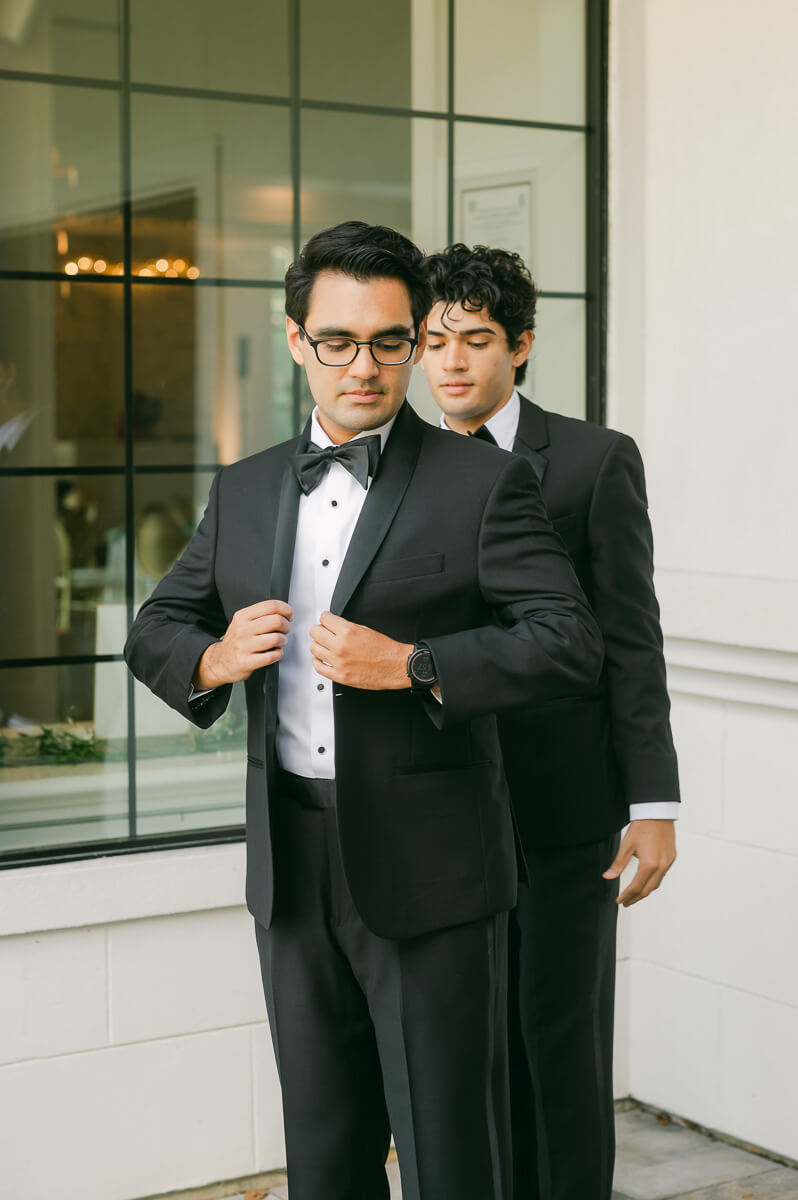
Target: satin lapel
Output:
[(285, 529), (539, 461), (532, 436), (280, 576), (285, 535), (384, 497)]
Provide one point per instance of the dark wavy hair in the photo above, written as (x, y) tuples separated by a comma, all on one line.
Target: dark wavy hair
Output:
[(364, 252), (497, 280)]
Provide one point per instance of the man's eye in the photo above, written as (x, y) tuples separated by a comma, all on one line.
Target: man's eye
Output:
[(479, 345), (389, 346), (435, 346), (337, 347)]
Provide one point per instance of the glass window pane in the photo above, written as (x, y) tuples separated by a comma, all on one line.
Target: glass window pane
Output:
[(188, 778), (59, 186), (536, 57), (556, 377), (237, 46), (524, 190), (168, 508), (62, 541), (61, 388), (61, 37), (63, 755), (356, 53), (211, 188), (397, 178), (211, 373)]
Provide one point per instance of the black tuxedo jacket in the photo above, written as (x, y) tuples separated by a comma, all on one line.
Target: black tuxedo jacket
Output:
[(576, 764), (452, 547)]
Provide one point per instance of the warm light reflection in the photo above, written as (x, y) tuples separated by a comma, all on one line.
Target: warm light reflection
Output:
[(84, 263), (162, 264), (72, 268), (171, 273), (62, 241), (193, 273), (100, 265), (179, 264), (145, 271)]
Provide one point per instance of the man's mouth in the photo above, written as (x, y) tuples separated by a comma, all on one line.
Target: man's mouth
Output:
[(459, 385)]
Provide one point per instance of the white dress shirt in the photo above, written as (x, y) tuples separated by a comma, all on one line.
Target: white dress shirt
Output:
[(325, 524), (503, 425)]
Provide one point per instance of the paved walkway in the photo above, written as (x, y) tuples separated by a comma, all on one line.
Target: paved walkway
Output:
[(657, 1159)]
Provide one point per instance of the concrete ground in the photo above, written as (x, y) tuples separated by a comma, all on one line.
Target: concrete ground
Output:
[(658, 1159)]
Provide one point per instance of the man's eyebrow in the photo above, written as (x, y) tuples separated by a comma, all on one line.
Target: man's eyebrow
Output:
[(462, 332), (331, 331)]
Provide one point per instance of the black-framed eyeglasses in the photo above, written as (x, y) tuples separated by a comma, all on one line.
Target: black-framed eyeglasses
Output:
[(388, 351)]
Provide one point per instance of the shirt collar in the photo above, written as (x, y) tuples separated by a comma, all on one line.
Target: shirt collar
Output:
[(504, 423), (320, 438)]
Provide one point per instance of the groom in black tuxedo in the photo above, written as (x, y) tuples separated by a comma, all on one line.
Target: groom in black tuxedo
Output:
[(578, 769), (382, 588)]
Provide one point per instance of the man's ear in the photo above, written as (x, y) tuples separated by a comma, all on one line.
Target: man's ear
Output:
[(294, 339), (524, 347), (422, 341)]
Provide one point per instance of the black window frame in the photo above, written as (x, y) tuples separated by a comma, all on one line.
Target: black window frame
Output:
[(594, 297)]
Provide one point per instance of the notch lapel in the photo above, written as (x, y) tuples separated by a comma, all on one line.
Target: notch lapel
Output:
[(532, 437), (383, 499)]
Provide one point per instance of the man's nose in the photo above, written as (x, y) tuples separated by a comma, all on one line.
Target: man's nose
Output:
[(453, 357), (364, 364)]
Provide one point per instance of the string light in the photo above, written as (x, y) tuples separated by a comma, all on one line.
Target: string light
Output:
[(160, 266)]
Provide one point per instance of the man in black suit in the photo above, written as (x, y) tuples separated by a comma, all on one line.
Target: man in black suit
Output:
[(579, 769), (408, 584)]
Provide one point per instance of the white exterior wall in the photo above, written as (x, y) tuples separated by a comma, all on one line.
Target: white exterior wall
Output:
[(703, 309), (135, 1056)]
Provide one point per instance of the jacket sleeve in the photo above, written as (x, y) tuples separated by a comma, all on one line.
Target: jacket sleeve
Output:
[(182, 617), (543, 643), (627, 611)]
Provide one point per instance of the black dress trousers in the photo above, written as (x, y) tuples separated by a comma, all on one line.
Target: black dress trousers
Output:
[(561, 1011), (374, 1036)]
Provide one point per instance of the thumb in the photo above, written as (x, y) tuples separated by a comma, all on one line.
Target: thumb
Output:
[(620, 862)]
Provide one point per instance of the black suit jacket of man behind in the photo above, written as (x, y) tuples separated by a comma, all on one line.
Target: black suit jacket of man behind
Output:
[(452, 547), (574, 766)]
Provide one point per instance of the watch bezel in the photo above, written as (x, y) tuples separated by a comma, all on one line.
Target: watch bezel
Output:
[(417, 680)]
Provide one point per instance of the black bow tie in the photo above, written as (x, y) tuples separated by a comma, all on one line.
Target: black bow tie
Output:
[(360, 457), (484, 435)]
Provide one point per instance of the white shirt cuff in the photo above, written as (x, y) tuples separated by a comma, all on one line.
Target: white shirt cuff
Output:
[(194, 695), (658, 810)]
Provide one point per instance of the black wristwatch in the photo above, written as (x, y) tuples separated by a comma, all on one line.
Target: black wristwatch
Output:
[(421, 669)]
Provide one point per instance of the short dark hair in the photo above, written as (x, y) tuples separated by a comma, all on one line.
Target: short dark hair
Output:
[(364, 252), (497, 280)]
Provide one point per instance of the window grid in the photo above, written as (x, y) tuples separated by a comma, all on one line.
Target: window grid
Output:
[(596, 73)]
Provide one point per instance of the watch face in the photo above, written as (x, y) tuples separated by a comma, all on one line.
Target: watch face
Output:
[(421, 667)]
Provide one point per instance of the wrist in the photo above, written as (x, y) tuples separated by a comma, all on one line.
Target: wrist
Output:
[(206, 674)]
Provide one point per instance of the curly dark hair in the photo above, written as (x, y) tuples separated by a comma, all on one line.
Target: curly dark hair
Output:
[(497, 280), (364, 252)]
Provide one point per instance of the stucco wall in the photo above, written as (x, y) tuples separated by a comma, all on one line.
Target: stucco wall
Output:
[(701, 369)]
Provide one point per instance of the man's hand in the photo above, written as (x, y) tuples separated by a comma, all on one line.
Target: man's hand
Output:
[(253, 639), (358, 656), (653, 844)]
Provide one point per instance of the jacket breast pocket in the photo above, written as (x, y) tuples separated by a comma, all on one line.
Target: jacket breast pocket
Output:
[(405, 568)]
